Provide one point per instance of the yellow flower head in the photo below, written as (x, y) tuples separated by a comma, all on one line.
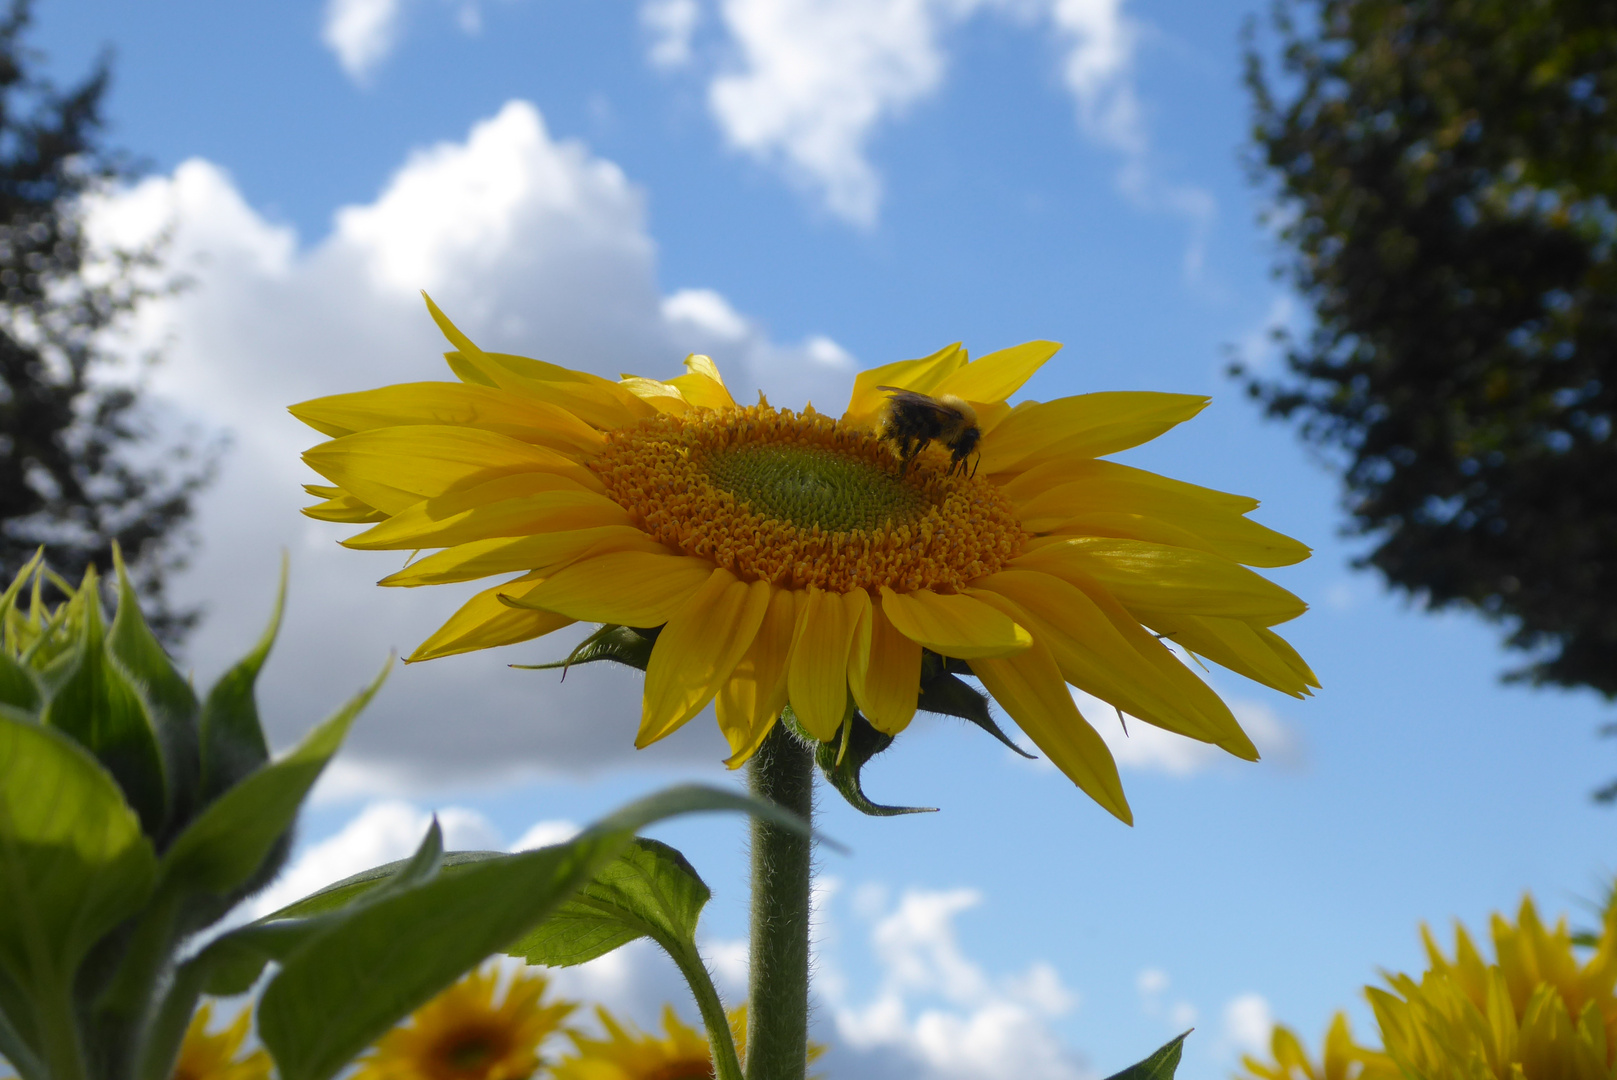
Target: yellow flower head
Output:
[(793, 557), (462, 1034), (214, 1057), (681, 1053), (1536, 1013)]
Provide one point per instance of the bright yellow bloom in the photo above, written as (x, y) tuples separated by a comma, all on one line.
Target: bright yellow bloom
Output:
[(463, 1035), (214, 1057), (789, 560), (680, 1054), (1536, 1013)]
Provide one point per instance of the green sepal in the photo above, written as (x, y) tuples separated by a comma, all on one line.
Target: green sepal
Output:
[(227, 844), (232, 738), (170, 702), (1159, 1066), (842, 759), (621, 644), (649, 890), (942, 692), (95, 703), (74, 862), (375, 962)]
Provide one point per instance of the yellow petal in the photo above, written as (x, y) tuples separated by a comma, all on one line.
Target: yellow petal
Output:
[(630, 588), (697, 651), (998, 375), (453, 404), (598, 402), (1087, 425), (485, 621), (884, 672), (702, 385), (953, 625), (504, 555), (751, 699), (664, 397), (1162, 578), (521, 505), (1050, 499), (345, 509), (1234, 644), (1127, 668), (1030, 688), (394, 468), (817, 673), (922, 376)]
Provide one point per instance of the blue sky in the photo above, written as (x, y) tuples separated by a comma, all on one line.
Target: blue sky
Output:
[(588, 183)]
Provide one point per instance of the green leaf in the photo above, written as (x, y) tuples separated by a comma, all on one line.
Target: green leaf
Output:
[(942, 692), (73, 860), (1159, 1066), (232, 737), (18, 687), (234, 834), (96, 704), (377, 961), (171, 704), (843, 760), (649, 890), (621, 644)]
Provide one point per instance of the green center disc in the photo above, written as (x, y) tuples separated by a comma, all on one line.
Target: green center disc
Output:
[(808, 487)]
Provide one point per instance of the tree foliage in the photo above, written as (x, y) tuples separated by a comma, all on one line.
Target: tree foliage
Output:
[(1445, 173), (80, 466)]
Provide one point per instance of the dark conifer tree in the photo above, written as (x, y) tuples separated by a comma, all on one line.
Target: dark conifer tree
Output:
[(80, 465), (1445, 174)]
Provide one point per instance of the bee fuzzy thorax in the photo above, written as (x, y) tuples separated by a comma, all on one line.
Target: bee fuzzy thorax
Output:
[(911, 421)]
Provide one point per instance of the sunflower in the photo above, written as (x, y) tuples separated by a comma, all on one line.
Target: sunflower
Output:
[(463, 1035), (215, 1057), (1537, 1012), (681, 1053), (793, 558)]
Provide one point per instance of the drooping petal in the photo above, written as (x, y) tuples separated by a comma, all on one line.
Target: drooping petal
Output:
[(1236, 645), (1129, 670), (455, 404), (1160, 578), (1030, 688), (521, 505), (817, 674), (751, 699), (344, 509), (698, 649), (505, 555), (921, 376), (664, 397), (953, 625), (702, 385), (1086, 425), (485, 621), (998, 375), (630, 588), (884, 672), (394, 468)]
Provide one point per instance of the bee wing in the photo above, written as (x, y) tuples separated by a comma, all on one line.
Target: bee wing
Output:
[(911, 399)]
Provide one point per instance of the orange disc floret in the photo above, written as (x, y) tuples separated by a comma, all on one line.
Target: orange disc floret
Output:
[(800, 500)]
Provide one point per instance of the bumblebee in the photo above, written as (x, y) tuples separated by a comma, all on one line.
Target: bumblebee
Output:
[(911, 421)]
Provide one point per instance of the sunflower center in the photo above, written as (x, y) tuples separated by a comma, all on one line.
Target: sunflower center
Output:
[(800, 500)]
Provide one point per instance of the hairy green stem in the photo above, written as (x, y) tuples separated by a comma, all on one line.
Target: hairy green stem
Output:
[(726, 1066), (782, 771), (59, 1032)]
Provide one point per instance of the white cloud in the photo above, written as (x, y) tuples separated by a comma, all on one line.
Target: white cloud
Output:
[(544, 833), (362, 33), (705, 311), (937, 1013), (534, 246), (381, 833), (813, 80), (1147, 748), (670, 24), (1248, 1023)]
